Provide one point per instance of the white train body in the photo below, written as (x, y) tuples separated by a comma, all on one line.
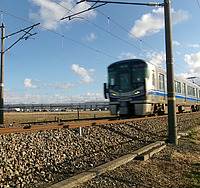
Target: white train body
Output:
[(136, 87)]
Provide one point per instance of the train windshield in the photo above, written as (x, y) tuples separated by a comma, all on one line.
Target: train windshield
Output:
[(138, 76), (119, 80), (125, 81), (127, 76)]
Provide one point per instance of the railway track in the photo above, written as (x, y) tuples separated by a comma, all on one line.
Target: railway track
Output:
[(37, 126), (70, 125)]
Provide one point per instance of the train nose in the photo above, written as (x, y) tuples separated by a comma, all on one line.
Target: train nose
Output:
[(123, 108)]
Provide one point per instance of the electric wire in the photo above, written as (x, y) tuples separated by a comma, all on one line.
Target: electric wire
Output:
[(198, 3), (139, 39), (116, 23), (130, 33), (152, 55), (68, 38), (56, 55), (97, 51), (119, 38)]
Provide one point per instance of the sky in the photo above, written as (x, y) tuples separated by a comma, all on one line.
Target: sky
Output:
[(65, 61)]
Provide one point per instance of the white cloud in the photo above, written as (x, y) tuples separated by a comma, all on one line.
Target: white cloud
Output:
[(50, 13), (28, 84), (176, 43), (91, 70), (194, 45), (85, 74), (48, 85), (156, 58), (127, 55), (193, 61), (64, 85), (37, 80), (90, 37), (152, 23), (28, 98), (179, 16)]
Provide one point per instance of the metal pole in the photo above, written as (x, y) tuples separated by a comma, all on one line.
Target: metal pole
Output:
[(2, 74), (170, 76)]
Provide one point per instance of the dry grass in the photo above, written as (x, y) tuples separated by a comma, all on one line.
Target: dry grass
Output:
[(22, 117)]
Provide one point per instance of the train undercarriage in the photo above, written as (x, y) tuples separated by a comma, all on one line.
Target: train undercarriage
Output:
[(126, 108)]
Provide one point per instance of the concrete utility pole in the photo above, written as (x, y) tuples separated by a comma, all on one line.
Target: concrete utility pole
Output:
[(172, 125), (2, 74), (25, 36)]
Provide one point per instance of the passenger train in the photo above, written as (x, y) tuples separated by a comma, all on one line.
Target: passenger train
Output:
[(136, 87)]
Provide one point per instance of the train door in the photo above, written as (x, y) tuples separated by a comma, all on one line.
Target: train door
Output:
[(184, 92), (161, 86), (153, 97), (197, 95)]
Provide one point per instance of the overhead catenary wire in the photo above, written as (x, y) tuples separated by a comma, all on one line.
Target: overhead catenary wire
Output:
[(139, 39), (68, 38), (91, 48), (84, 45), (56, 55), (77, 42), (198, 3), (107, 31), (130, 33)]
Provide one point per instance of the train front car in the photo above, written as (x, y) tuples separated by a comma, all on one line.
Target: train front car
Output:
[(127, 87)]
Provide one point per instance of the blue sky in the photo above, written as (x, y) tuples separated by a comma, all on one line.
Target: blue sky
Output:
[(66, 61)]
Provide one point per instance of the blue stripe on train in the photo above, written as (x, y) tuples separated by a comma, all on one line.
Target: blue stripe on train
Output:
[(157, 93), (179, 96)]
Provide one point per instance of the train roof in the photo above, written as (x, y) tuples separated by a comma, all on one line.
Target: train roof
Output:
[(128, 61), (176, 77)]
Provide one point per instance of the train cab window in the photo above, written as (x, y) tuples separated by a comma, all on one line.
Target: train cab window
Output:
[(177, 87), (112, 80), (161, 82), (140, 71)]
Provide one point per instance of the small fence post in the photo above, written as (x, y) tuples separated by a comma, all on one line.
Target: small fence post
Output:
[(80, 131)]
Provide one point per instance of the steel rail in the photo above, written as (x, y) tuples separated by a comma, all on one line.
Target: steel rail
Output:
[(70, 125)]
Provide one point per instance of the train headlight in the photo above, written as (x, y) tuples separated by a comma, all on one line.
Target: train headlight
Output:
[(114, 94), (137, 92)]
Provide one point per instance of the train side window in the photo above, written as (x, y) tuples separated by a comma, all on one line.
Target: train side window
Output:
[(153, 78), (191, 91), (161, 81), (177, 87)]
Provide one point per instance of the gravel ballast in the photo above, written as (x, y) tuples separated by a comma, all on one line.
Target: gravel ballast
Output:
[(43, 158)]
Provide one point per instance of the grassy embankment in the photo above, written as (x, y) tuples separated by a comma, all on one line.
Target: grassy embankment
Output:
[(22, 117), (194, 176)]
